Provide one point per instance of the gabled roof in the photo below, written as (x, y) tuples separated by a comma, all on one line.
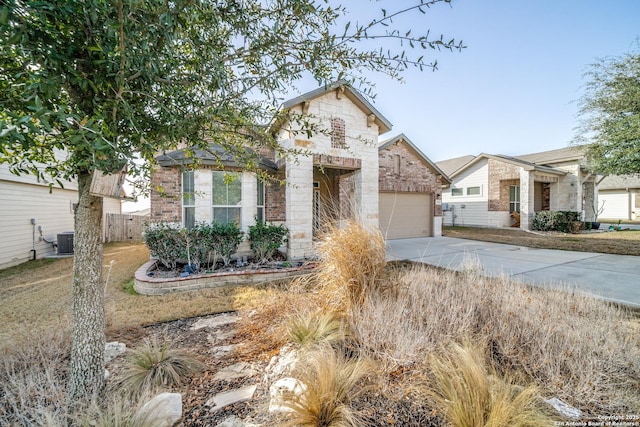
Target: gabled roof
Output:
[(511, 160), (618, 182), (213, 155), (554, 156), (403, 137), (449, 166), (384, 125)]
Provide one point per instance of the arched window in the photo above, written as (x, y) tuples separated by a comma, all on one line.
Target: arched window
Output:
[(337, 133)]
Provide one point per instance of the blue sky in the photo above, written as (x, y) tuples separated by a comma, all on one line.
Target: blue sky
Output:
[(513, 89)]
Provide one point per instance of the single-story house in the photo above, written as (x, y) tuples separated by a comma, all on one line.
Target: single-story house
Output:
[(346, 173), (619, 197), (487, 189), (33, 217)]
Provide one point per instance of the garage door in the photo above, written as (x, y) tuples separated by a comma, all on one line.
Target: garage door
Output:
[(616, 204), (404, 215)]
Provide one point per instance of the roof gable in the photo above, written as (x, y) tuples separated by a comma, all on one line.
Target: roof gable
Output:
[(213, 155), (403, 139), (451, 165), (511, 160), (343, 88), (559, 155)]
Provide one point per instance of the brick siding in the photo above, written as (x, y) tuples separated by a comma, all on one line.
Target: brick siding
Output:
[(413, 175), (166, 190)]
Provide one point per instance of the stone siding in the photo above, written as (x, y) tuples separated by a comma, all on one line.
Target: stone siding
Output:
[(501, 176), (402, 170)]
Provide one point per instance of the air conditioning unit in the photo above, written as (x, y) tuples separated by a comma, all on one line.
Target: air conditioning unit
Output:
[(445, 207), (65, 243)]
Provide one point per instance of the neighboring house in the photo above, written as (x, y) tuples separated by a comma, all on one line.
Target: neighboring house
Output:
[(346, 174), (32, 216), (487, 189), (619, 197)]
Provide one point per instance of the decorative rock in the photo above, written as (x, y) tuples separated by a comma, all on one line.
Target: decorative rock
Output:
[(282, 389), (563, 408), (224, 350), (106, 374), (215, 321), (237, 370), (281, 365), (236, 422), (112, 350), (227, 398), (164, 410)]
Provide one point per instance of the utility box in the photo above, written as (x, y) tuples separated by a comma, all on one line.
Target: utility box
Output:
[(65, 243)]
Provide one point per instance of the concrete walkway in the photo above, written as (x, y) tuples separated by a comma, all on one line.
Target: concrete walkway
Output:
[(612, 277)]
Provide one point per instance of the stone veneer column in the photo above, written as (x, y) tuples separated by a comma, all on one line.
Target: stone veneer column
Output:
[(527, 201), (249, 200), (202, 183), (299, 207), (366, 192)]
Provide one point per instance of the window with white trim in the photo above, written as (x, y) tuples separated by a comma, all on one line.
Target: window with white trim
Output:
[(260, 201), (474, 191), (457, 192), (226, 197), (188, 200), (514, 198)]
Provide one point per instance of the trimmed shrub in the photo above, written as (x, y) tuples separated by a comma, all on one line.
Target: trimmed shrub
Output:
[(165, 242), (555, 220), (266, 239), (225, 239), (199, 246)]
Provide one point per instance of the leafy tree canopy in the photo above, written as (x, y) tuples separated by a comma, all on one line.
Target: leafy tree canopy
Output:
[(610, 111), (107, 81)]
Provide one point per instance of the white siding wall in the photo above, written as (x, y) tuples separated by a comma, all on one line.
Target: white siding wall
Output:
[(18, 204), (475, 210)]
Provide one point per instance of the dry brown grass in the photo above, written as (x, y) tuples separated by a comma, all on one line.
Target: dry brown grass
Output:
[(625, 242), (574, 347), (38, 295)]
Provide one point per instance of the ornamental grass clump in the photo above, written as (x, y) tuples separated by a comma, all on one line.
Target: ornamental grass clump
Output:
[(317, 328), (352, 262), (331, 381), (153, 365), (470, 392)]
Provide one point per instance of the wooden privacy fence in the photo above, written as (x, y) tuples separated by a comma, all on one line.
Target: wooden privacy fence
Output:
[(121, 227)]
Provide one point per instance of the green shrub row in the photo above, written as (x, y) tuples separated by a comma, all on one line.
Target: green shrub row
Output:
[(205, 244), (564, 221)]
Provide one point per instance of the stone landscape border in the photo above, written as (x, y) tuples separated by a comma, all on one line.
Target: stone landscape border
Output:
[(149, 285)]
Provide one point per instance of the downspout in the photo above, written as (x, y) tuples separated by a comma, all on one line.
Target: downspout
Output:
[(33, 238)]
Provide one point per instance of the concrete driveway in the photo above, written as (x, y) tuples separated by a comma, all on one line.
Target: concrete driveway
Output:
[(612, 277)]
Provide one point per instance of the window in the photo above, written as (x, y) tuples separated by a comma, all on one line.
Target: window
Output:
[(514, 198), (227, 197), (337, 133), (473, 191), (260, 201), (188, 200), (457, 192)]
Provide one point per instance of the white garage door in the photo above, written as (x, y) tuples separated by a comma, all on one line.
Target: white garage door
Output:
[(616, 204), (404, 215)]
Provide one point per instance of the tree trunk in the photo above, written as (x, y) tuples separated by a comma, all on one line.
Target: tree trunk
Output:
[(88, 339)]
